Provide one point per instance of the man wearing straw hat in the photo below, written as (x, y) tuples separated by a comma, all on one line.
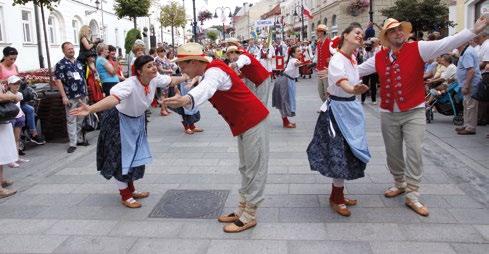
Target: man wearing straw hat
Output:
[(321, 58), (246, 117), (402, 109)]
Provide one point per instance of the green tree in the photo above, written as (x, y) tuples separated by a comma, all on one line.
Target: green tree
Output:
[(50, 4), (172, 15), (131, 36), (424, 15), (132, 9), (212, 35)]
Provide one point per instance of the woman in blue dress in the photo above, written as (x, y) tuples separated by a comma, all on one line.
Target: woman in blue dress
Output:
[(339, 147)]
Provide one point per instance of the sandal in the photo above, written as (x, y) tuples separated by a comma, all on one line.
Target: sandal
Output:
[(394, 192), (139, 194), (417, 207), (6, 193), (289, 126), (239, 226), (6, 183), (340, 209), (131, 203), (232, 217)]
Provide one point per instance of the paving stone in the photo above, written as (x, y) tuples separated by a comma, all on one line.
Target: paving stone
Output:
[(363, 200), (212, 229), (36, 243), (21, 212), (23, 199), (290, 201), (303, 215), (462, 202), (469, 248), (484, 230), (51, 188), (151, 228), (438, 215), (328, 247), (409, 247), (82, 227), (157, 246), (309, 189), (61, 212), (442, 233), (471, 216), (247, 246), (95, 244), (363, 232), (290, 231), (24, 226), (441, 189)]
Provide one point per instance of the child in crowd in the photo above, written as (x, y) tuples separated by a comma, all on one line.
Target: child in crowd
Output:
[(19, 122)]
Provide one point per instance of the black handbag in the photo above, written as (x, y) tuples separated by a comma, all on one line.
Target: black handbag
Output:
[(8, 111), (482, 93), (90, 122)]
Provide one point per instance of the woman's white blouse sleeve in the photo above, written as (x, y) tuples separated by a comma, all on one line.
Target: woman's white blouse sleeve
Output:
[(336, 71), (123, 89)]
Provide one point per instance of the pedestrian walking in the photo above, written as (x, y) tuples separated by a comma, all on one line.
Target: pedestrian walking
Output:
[(246, 117), (122, 148), (321, 58), (400, 65), (339, 147)]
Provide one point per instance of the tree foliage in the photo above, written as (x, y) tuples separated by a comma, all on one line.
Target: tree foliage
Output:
[(212, 35), (132, 8), (131, 36), (424, 15), (172, 14), (50, 4)]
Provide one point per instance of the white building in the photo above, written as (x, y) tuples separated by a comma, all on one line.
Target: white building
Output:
[(18, 28)]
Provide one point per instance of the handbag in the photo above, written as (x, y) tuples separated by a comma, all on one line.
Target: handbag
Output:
[(90, 122), (8, 111), (482, 93)]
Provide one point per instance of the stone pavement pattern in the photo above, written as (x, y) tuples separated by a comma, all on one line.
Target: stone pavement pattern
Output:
[(64, 206)]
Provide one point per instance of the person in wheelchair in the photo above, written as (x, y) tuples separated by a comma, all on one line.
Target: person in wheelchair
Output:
[(438, 86)]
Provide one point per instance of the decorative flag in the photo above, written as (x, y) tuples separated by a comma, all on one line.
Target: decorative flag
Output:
[(307, 12)]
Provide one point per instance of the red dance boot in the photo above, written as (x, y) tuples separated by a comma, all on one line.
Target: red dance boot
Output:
[(127, 199), (337, 201), (287, 124)]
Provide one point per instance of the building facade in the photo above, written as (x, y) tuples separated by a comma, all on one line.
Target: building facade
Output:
[(18, 28), (466, 12)]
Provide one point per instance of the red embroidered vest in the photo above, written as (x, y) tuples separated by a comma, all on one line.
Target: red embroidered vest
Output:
[(401, 81), (323, 54), (254, 71), (239, 107)]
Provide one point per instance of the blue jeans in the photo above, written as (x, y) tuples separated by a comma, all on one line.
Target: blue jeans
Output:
[(30, 117)]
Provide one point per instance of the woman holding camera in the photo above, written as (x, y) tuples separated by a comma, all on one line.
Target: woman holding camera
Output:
[(86, 44)]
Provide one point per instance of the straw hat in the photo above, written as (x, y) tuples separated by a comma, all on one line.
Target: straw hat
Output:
[(322, 27), (232, 49), (393, 23), (191, 51), (233, 41)]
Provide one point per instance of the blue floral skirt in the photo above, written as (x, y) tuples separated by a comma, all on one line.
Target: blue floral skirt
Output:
[(109, 152), (331, 155)]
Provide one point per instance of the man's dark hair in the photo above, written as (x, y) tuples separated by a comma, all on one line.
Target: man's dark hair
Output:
[(64, 44)]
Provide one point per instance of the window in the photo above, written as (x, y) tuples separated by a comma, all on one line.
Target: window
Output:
[(27, 25), (333, 23), (52, 30), (325, 21), (2, 28), (75, 25)]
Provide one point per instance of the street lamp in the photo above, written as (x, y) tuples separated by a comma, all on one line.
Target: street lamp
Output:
[(302, 17), (371, 11), (97, 3), (194, 24), (223, 9)]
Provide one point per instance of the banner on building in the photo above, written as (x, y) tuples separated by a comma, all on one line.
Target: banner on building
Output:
[(263, 23)]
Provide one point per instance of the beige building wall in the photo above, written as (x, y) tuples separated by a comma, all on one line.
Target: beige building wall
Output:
[(246, 23)]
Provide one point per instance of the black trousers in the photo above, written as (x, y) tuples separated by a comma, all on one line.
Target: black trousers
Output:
[(371, 81)]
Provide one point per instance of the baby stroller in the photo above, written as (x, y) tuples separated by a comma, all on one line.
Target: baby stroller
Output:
[(449, 103)]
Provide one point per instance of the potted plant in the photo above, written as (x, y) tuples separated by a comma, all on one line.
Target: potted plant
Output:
[(355, 7), (204, 15)]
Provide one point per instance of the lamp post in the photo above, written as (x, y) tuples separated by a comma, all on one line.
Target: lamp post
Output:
[(301, 6), (194, 24), (371, 11), (223, 10)]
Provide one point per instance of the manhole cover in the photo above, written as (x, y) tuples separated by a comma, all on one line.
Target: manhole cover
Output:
[(190, 204)]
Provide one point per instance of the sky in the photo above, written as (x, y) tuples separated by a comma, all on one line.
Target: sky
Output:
[(211, 6)]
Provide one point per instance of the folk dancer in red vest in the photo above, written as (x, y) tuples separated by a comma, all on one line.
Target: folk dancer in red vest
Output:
[(321, 58), (400, 68), (246, 117), (256, 76)]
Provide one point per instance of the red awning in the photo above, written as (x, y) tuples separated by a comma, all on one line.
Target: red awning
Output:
[(274, 12)]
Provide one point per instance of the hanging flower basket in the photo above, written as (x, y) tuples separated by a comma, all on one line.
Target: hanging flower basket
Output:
[(204, 15), (355, 7)]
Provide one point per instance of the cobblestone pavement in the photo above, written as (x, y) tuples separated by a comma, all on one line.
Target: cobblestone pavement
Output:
[(64, 206)]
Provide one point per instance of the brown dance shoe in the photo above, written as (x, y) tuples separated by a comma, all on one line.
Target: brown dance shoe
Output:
[(350, 202), (394, 192), (239, 226), (232, 217), (465, 132), (340, 209), (6, 183), (459, 129), (417, 207), (6, 193), (197, 129), (140, 194), (289, 126), (189, 131), (131, 203)]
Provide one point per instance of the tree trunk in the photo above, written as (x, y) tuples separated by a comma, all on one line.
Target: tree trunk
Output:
[(135, 23), (172, 37), (47, 46)]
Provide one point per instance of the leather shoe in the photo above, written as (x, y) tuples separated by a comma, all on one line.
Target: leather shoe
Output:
[(466, 132), (6, 183), (459, 129), (340, 209), (239, 226), (417, 207), (189, 131), (131, 203), (84, 143), (394, 192), (289, 126), (228, 218), (71, 149), (6, 193), (197, 129), (138, 194), (350, 202)]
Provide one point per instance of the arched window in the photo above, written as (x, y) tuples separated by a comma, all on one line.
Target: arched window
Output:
[(333, 23), (319, 22), (325, 21), (312, 26), (56, 32), (75, 27), (94, 29)]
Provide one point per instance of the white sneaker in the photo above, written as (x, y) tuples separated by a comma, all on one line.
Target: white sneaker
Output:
[(13, 165)]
